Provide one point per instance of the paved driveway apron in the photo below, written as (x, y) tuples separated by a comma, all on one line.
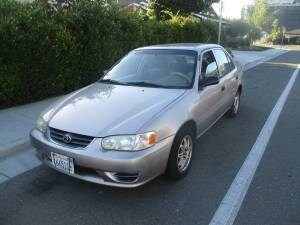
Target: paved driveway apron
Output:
[(44, 196)]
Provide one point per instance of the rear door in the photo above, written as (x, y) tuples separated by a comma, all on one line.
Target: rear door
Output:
[(235, 81), (227, 79)]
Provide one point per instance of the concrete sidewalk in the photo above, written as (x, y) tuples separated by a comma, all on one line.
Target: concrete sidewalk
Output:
[(16, 122), (250, 59)]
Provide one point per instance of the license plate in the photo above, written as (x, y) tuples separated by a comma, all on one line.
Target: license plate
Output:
[(62, 162)]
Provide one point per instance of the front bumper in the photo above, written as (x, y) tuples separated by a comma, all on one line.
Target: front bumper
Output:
[(100, 166)]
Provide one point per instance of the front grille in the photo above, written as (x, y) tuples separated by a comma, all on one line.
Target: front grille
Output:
[(77, 140)]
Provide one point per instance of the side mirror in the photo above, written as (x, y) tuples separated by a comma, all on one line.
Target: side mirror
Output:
[(208, 81)]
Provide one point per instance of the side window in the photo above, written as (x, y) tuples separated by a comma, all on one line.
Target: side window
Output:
[(222, 61), (231, 64), (209, 66)]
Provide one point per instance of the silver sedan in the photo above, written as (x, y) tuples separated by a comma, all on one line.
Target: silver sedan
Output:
[(141, 119)]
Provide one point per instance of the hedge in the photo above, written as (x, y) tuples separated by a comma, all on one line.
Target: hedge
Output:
[(44, 54)]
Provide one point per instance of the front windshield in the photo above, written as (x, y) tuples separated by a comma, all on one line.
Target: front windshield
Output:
[(156, 68)]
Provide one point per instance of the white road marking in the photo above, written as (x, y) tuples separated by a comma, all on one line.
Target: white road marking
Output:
[(231, 203)]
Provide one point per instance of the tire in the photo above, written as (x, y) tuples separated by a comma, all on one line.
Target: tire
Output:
[(234, 110), (177, 168)]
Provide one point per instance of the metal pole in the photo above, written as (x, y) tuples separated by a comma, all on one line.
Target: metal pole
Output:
[(220, 21)]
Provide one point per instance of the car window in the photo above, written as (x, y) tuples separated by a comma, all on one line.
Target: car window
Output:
[(222, 61), (131, 65), (167, 68), (209, 66), (231, 64)]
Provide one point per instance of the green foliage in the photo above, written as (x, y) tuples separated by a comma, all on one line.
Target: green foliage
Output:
[(238, 28), (160, 8), (259, 14), (46, 53), (240, 33), (254, 33), (269, 20), (276, 33), (261, 17)]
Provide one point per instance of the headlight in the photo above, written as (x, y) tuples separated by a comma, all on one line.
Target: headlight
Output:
[(41, 125), (129, 142)]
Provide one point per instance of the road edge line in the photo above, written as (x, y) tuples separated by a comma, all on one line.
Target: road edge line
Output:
[(232, 201)]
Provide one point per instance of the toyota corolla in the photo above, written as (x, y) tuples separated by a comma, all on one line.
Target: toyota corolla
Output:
[(141, 119)]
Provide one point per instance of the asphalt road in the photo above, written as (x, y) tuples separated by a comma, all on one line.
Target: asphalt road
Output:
[(44, 196)]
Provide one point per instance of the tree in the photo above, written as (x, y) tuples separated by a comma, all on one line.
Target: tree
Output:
[(254, 33), (259, 14), (258, 19), (242, 33), (261, 17), (54, 5), (160, 8), (276, 32), (238, 28)]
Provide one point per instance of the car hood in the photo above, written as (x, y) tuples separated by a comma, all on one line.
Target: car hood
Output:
[(101, 110)]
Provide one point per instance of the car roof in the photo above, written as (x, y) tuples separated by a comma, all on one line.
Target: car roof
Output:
[(182, 46)]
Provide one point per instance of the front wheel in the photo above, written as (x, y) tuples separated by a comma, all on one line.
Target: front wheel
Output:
[(181, 154), (233, 111)]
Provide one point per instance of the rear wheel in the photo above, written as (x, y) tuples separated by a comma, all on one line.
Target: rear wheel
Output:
[(233, 111), (181, 154)]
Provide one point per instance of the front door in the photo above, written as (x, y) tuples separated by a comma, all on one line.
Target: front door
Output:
[(208, 101)]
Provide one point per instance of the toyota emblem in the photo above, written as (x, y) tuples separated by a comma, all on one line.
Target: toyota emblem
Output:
[(67, 138)]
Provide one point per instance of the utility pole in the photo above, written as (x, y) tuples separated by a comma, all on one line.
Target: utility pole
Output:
[(283, 30), (220, 21)]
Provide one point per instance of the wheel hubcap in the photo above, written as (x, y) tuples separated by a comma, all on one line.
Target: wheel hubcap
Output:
[(184, 153), (236, 103)]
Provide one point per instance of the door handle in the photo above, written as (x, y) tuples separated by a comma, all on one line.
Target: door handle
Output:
[(223, 88)]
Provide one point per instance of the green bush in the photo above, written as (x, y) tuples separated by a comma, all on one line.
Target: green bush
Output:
[(240, 34), (236, 42), (46, 53), (160, 8)]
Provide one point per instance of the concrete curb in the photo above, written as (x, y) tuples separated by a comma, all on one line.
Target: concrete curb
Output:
[(14, 148)]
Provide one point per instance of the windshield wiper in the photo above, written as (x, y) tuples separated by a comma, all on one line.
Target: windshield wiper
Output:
[(110, 81), (146, 84), (135, 83)]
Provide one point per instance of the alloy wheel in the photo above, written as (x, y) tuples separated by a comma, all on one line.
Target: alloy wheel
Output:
[(184, 153), (236, 103)]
